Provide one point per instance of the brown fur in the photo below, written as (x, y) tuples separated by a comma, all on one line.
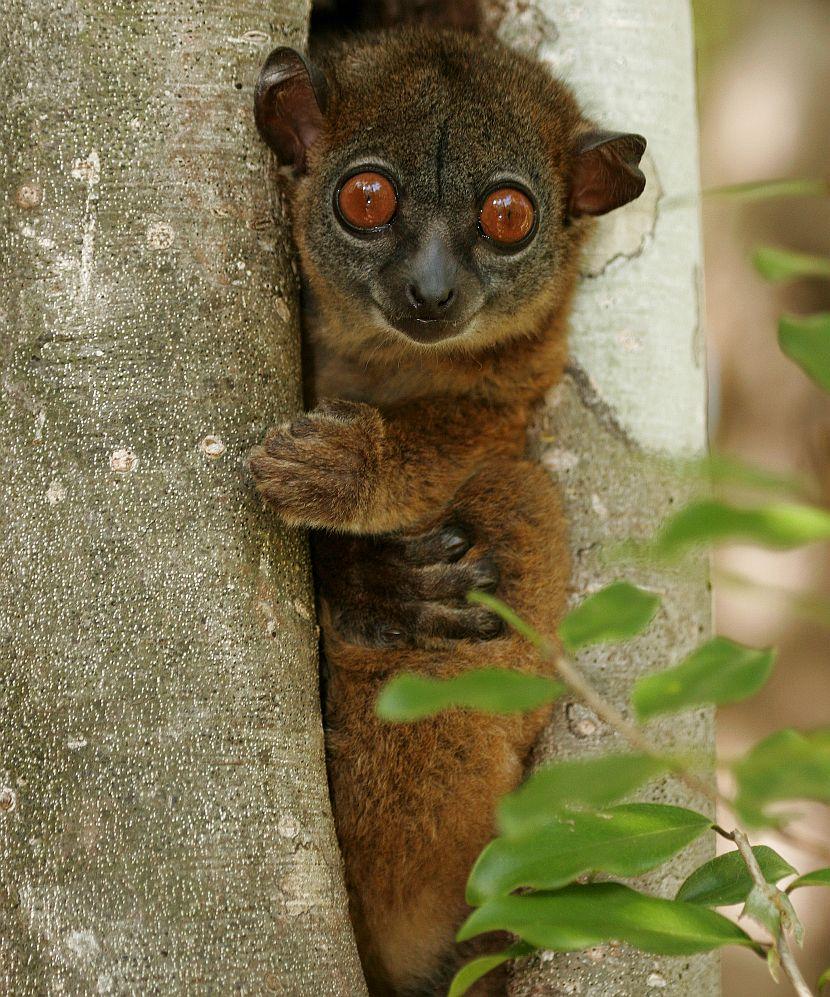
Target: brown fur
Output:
[(415, 803), (419, 437)]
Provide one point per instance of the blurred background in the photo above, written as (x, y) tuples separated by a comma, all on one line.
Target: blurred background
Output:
[(764, 85)]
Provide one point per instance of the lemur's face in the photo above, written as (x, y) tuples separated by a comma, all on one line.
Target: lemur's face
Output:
[(432, 223), (428, 265), (441, 203)]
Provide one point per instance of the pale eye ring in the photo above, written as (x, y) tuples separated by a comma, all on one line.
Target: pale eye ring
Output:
[(366, 200), (508, 216)]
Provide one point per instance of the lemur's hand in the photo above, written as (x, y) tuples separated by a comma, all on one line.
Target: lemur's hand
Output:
[(405, 590), (322, 468)]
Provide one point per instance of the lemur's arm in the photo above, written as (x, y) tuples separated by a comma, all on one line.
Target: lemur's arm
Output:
[(346, 467)]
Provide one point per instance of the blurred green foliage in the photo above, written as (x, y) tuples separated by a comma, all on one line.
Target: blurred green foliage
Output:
[(716, 23)]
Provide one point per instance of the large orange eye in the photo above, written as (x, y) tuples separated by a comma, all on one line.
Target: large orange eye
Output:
[(367, 200), (507, 216)]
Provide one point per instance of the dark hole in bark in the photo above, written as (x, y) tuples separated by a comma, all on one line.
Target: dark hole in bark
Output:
[(339, 16)]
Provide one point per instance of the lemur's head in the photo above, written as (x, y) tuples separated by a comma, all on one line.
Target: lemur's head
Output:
[(444, 185)]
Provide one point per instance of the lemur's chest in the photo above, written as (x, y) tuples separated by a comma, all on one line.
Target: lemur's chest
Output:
[(380, 376)]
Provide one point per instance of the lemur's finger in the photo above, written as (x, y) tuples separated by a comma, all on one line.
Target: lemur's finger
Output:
[(451, 582), (423, 624), (445, 545), (471, 623)]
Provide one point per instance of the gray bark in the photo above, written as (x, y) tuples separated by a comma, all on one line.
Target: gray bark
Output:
[(164, 817), (634, 396)]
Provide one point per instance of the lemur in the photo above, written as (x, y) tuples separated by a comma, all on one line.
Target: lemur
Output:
[(443, 187)]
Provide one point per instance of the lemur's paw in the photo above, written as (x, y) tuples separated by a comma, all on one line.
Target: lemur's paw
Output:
[(409, 591), (319, 468)]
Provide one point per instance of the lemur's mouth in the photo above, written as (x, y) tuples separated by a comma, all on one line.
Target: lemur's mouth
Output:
[(426, 330)]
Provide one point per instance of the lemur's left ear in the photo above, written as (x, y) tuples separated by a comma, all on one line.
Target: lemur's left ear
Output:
[(288, 105), (606, 172)]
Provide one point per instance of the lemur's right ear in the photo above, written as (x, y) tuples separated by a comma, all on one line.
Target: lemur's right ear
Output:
[(288, 105), (606, 172)]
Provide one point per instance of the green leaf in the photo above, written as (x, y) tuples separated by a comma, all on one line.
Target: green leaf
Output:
[(824, 979), (776, 265), (778, 525), (787, 765), (773, 910), (593, 782), (624, 841), (617, 612), (476, 968), (760, 907), (719, 469), (579, 917), (774, 963), (493, 690), (720, 671), (726, 879), (806, 341), (819, 877), (766, 190)]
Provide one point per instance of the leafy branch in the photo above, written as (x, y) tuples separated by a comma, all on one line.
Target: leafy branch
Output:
[(770, 898), (559, 826)]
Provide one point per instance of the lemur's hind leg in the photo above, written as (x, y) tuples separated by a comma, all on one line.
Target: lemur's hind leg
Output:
[(414, 803)]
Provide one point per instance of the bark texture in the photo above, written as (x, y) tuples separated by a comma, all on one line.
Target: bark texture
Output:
[(634, 395), (164, 816)]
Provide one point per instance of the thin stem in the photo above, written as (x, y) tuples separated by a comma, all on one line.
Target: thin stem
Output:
[(605, 711), (788, 963), (764, 190), (611, 715), (578, 685)]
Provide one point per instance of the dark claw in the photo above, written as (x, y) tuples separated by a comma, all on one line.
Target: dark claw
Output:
[(455, 542), (490, 628), (389, 636), (485, 574)]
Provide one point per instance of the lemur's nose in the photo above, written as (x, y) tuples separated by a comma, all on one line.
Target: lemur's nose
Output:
[(427, 298), (432, 279)]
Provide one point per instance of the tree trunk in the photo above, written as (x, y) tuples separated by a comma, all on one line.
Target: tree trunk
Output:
[(163, 804), (635, 391)]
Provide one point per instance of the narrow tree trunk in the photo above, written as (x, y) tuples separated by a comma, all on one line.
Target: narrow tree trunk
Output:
[(163, 807), (636, 389)]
